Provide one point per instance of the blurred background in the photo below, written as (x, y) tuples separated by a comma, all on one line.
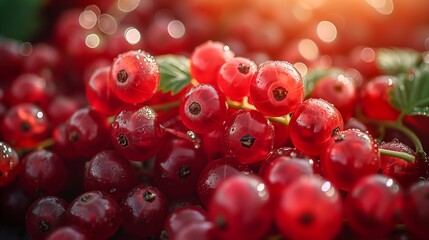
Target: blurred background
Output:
[(305, 32)]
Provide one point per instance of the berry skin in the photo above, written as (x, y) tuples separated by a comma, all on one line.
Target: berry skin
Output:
[(309, 208), (207, 59), (87, 130), (375, 96), (68, 233), (348, 156), (203, 108), (110, 172), (248, 136), (338, 90), (24, 125), (134, 76), (99, 95), (404, 172), (372, 204), (240, 208), (312, 124), (182, 217), (9, 164), (44, 215), (44, 173), (97, 212), (137, 133), (30, 88), (235, 76), (144, 210), (415, 212), (277, 88)]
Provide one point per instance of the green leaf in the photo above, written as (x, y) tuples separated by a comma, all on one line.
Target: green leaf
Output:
[(411, 93), (174, 71), (393, 61)]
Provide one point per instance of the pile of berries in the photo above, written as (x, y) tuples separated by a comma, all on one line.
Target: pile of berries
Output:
[(210, 144)]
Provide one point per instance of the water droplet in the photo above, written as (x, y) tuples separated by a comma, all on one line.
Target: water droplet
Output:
[(115, 125), (112, 190)]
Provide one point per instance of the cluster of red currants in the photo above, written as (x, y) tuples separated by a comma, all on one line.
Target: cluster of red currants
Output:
[(240, 152)]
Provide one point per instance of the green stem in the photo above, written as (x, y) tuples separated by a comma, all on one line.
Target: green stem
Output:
[(47, 143), (165, 106), (405, 156)]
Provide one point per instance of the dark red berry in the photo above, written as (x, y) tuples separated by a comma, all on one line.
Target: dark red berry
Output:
[(9, 164)]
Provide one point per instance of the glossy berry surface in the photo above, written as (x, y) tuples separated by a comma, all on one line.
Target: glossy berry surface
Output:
[(24, 125), (372, 205), (43, 173), (30, 88), (97, 212), (415, 213), (375, 98), (235, 76), (277, 88), (177, 167), (180, 218), (312, 124), (349, 156), (201, 231), (87, 130), (68, 233), (9, 164), (338, 90), (44, 215), (110, 172), (99, 94), (144, 210), (137, 133), (248, 136), (310, 208), (207, 59), (406, 173), (134, 76), (203, 108), (241, 203), (215, 172)]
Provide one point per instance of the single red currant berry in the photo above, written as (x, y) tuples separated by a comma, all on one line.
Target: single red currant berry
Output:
[(207, 59), (338, 90), (277, 88), (406, 173), (180, 218), (312, 124), (30, 88), (9, 164), (309, 208), (96, 212), (44, 215), (372, 205), (348, 156), (87, 130), (25, 125), (201, 231), (134, 76), (144, 210), (110, 172), (248, 136), (99, 94), (415, 212), (137, 133), (203, 108), (375, 98), (240, 208), (44, 173), (235, 76)]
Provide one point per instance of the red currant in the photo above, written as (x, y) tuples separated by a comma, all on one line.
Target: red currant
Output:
[(134, 76), (68, 233), (277, 88), (415, 212), (9, 164)]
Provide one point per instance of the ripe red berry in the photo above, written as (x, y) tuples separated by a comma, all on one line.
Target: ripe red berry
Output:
[(180, 218), (9, 164), (207, 59), (134, 76), (309, 208), (312, 124), (277, 88), (415, 212), (203, 108), (240, 208), (372, 205), (68, 233), (248, 136), (349, 156)]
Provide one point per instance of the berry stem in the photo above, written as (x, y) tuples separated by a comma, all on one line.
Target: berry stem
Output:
[(405, 156), (42, 145), (165, 106)]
